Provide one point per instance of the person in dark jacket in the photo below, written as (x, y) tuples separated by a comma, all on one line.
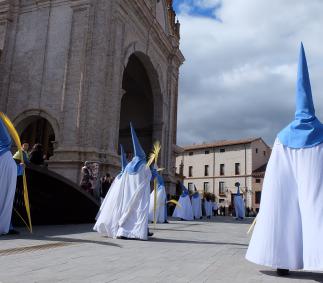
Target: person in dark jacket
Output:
[(37, 154)]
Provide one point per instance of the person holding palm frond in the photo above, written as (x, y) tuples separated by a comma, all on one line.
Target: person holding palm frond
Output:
[(158, 195)]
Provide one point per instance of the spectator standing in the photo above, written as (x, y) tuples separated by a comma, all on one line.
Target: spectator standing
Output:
[(17, 155), (106, 182), (86, 178), (37, 155)]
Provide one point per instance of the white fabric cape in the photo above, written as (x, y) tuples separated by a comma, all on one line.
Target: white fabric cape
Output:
[(289, 229), (184, 211), (239, 206), (8, 180), (124, 212), (208, 208), (161, 202), (197, 207), (111, 209)]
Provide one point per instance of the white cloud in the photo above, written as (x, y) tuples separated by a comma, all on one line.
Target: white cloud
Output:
[(239, 76)]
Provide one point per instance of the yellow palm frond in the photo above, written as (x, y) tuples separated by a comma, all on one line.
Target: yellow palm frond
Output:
[(252, 225), (174, 202), (153, 157)]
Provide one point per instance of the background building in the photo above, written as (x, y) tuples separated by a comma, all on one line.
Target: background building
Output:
[(74, 73), (216, 167)]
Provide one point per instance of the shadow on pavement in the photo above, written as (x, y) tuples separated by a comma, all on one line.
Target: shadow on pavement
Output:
[(299, 275), (60, 233), (180, 230), (214, 219), (160, 240)]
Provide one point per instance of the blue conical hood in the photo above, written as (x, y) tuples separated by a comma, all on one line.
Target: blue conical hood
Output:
[(124, 161), (304, 100), (306, 130), (5, 139), (184, 190), (138, 151)]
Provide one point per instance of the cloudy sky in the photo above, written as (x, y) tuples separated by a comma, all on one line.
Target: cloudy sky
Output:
[(239, 76)]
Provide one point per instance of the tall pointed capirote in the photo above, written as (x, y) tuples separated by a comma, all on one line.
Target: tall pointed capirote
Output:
[(304, 101), (137, 149), (124, 161), (5, 139), (305, 130)]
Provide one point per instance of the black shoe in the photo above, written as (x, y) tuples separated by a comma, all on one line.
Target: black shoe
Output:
[(150, 234), (166, 221), (122, 238), (282, 272), (13, 232)]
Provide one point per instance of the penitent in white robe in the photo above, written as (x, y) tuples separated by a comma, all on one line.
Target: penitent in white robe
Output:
[(239, 206), (160, 208), (197, 206), (208, 208), (8, 179), (289, 229), (185, 210), (124, 212)]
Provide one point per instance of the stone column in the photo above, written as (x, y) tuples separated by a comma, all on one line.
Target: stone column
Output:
[(68, 156), (8, 25)]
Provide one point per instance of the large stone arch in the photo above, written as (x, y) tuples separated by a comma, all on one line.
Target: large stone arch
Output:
[(141, 93), (38, 118)]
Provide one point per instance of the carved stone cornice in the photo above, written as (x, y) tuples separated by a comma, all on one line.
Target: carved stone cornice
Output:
[(6, 9), (79, 4)]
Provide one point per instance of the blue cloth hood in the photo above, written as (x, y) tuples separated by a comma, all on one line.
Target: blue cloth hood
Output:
[(160, 181), (184, 190), (137, 149), (155, 174), (196, 195), (139, 158), (5, 139), (238, 191), (306, 130), (124, 161)]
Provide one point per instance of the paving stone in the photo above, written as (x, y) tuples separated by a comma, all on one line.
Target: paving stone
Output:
[(181, 251)]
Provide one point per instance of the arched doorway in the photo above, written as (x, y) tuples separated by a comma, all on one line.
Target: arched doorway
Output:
[(37, 129), (138, 103)]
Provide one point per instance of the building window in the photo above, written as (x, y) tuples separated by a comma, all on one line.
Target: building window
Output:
[(256, 150), (222, 149), (237, 168), (190, 171), (221, 188), (258, 181), (206, 170), (190, 153), (190, 187), (264, 153), (206, 186), (221, 169), (207, 152), (258, 197)]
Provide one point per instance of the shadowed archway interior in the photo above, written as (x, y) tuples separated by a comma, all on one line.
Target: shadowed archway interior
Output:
[(38, 130), (137, 106)]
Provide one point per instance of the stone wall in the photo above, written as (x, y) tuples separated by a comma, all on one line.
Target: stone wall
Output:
[(63, 60)]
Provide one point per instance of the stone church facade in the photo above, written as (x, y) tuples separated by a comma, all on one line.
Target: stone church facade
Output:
[(74, 73)]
